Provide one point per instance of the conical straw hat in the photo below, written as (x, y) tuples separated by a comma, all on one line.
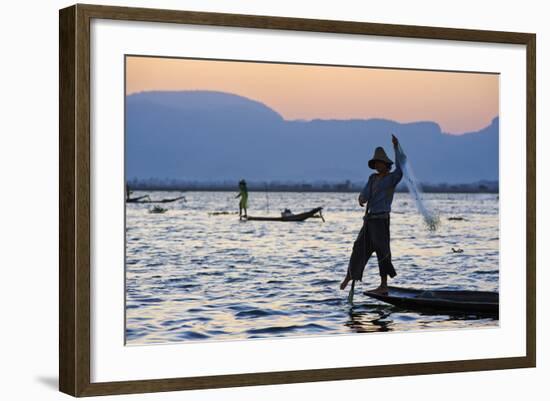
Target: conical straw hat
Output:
[(380, 155)]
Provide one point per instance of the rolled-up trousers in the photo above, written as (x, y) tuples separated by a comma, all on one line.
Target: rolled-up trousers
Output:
[(373, 237)]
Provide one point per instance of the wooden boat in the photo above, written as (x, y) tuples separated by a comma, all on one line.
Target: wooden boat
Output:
[(136, 199), (142, 200), (157, 210), (481, 302), (316, 213), (221, 213)]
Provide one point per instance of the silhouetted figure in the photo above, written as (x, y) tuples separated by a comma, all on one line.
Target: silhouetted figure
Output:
[(128, 192), (243, 203), (375, 233)]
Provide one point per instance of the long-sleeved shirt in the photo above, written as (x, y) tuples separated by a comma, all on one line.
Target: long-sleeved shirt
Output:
[(378, 192)]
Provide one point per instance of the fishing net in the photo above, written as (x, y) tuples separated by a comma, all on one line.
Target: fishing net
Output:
[(431, 218)]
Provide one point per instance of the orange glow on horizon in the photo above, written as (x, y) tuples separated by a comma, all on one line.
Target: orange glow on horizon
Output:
[(458, 102)]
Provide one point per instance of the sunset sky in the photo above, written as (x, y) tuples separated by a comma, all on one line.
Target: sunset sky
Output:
[(458, 102)]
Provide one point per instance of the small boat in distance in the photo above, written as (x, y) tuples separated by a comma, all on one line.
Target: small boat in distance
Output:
[(141, 199), (289, 216), (221, 213), (137, 199), (480, 302), (157, 210)]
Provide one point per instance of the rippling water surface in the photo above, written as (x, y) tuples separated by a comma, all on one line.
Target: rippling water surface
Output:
[(191, 275)]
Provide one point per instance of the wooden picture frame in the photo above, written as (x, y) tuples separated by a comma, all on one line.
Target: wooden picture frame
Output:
[(74, 200)]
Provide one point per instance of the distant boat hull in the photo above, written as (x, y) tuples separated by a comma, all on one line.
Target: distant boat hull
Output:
[(294, 217), (141, 200), (481, 302), (153, 211)]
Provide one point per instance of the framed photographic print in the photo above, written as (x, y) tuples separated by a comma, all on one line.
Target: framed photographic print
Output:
[(250, 200)]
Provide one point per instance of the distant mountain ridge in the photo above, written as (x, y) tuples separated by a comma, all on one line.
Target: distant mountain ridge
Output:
[(215, 136)]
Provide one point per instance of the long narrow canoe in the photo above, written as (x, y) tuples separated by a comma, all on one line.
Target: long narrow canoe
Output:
[(441, 300), (141, 200), (293, 217), (136, 199)]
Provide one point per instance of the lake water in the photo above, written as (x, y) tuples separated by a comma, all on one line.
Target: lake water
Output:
[(193, 276)]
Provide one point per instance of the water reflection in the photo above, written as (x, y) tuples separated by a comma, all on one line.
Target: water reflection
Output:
[(381, 318), (369, 319), (191, 275)]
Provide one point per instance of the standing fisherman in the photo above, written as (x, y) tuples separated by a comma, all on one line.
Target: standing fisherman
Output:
[(375, 233), (243, 194), (128, 192)]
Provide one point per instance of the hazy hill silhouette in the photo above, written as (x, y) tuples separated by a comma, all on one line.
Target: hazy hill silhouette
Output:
[(213, 136)]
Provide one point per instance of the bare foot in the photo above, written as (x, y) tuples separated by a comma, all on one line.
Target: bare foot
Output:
[(382, 290), (344, 283)]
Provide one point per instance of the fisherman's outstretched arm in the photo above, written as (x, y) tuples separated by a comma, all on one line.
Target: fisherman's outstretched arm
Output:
[(399, 160)]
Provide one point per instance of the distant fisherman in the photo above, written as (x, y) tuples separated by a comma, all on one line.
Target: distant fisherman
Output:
[(243, 194), (128, 192), (375, 233)]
